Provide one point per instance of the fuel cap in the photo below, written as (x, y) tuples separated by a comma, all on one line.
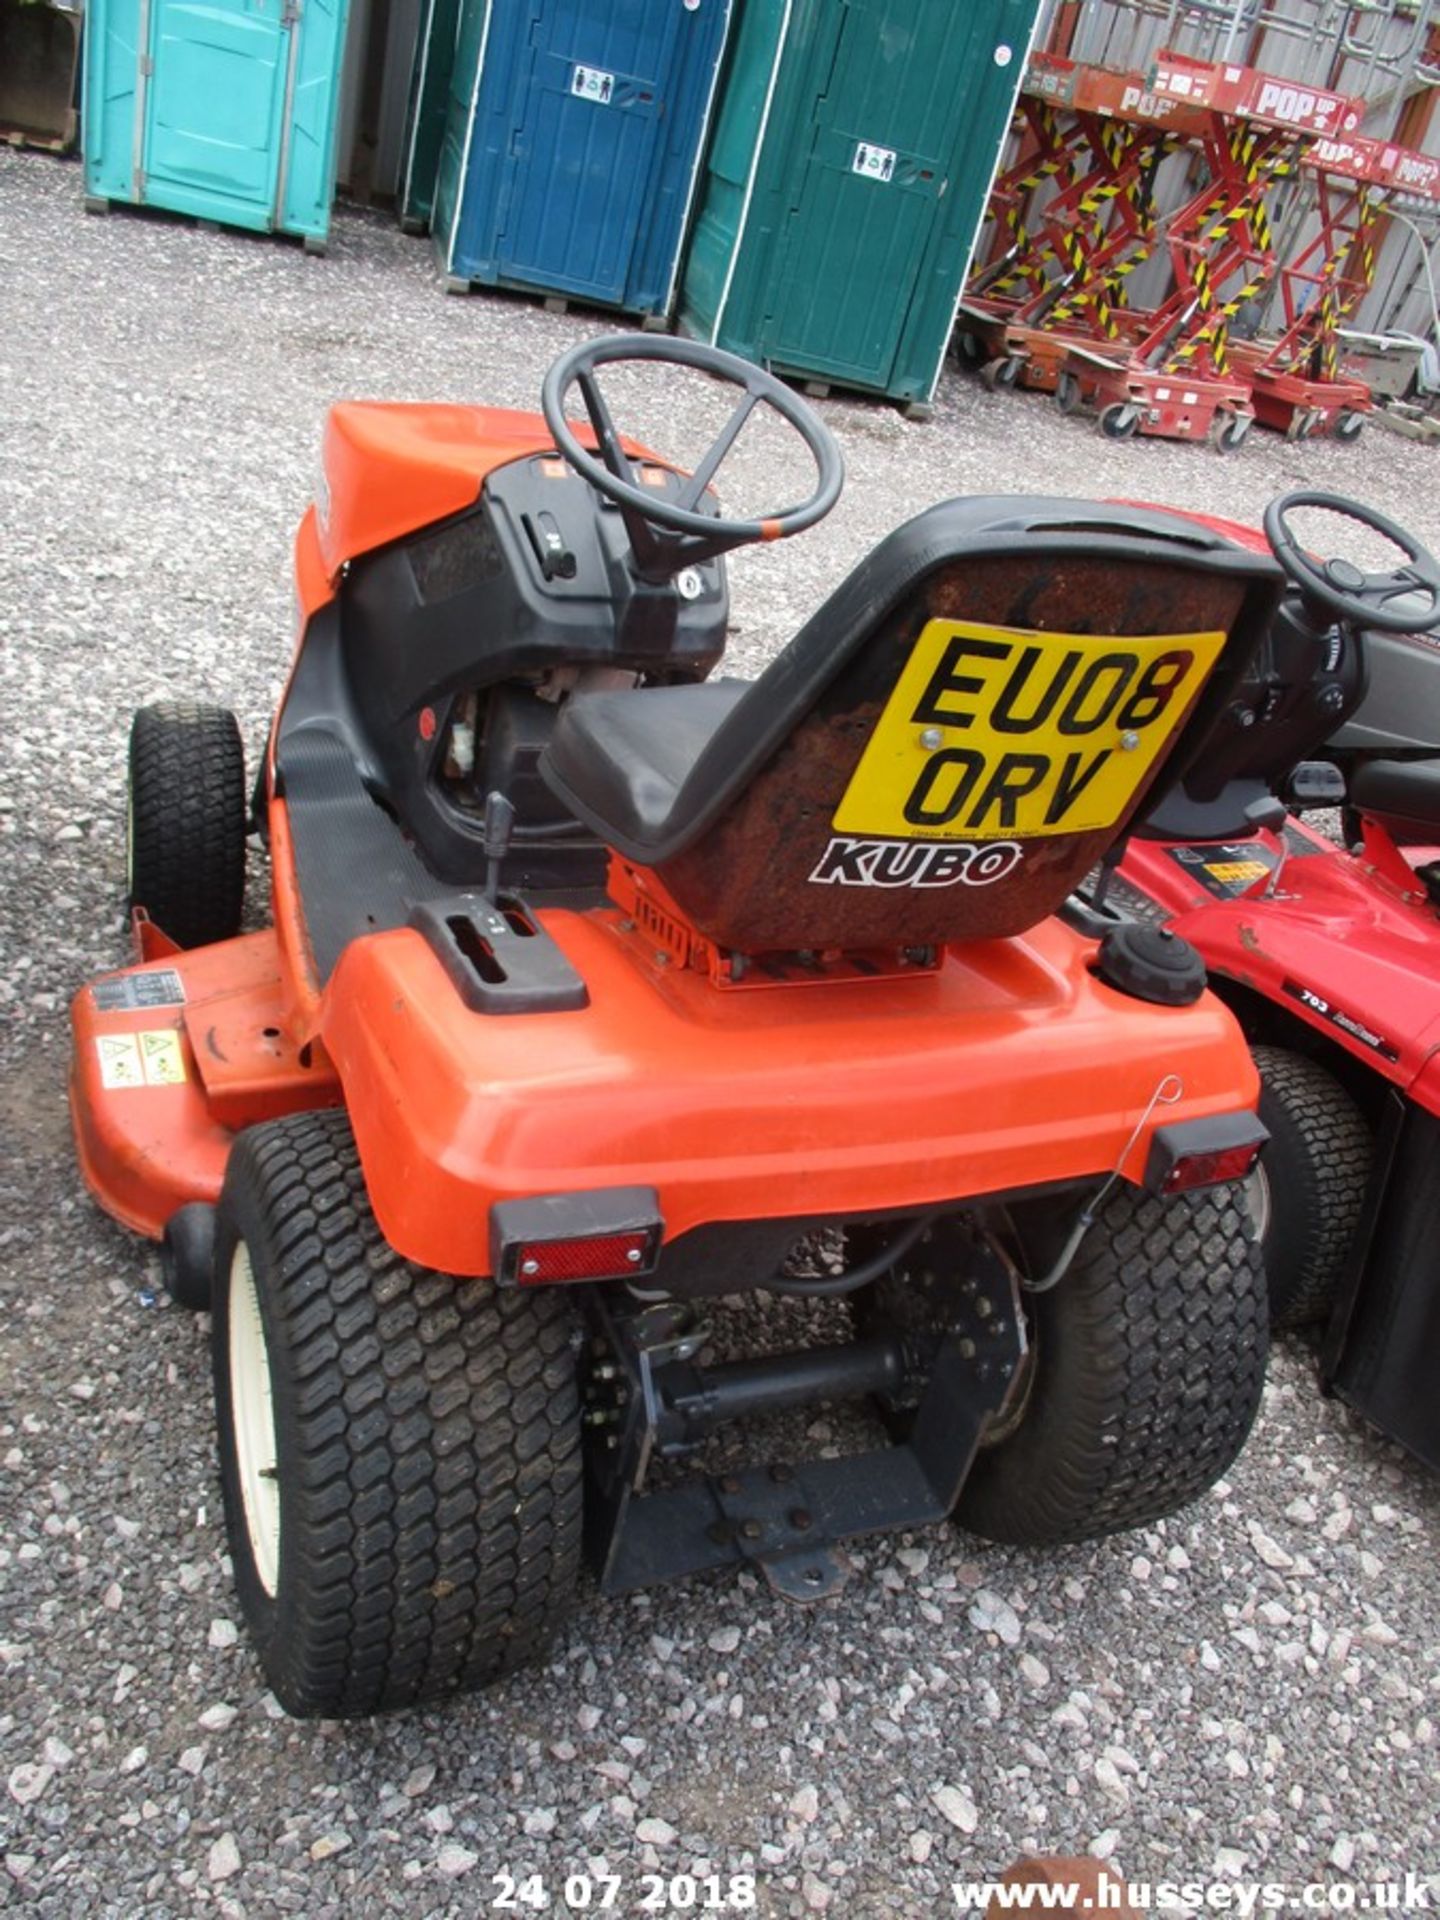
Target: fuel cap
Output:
[(1152, 963)]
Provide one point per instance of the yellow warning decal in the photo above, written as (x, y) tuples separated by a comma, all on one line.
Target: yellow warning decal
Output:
[(153, 1059), (164, 1062), (999, 732), (120, 1064)]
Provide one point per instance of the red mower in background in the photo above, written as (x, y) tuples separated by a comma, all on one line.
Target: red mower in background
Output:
[(1328, 950)]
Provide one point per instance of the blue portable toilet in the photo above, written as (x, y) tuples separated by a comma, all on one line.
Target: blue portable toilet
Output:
[(224, 109), (573, 143)]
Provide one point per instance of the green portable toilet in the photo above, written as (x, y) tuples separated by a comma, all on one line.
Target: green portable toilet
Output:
[(852, 160), (425, 118)]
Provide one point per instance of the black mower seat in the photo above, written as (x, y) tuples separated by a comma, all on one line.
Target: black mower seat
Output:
[(631, 756), (1403, 795), (743, 798)]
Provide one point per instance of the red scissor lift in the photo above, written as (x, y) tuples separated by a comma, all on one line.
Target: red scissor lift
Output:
[(1300, 387), (1180, 379), (1048, 310), (1057, 275)]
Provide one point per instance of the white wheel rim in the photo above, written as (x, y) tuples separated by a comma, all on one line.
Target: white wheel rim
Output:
[(252, 1420), (1255, 1198)]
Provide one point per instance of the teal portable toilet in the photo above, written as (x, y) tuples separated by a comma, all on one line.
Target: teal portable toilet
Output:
[(853, 154), (425, 119), (573, 145), (224, 109)]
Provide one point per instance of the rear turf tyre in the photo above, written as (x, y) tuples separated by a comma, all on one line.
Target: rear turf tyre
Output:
[(1146, 1372), (1308, 1191), (187, 820), (399, 1449)]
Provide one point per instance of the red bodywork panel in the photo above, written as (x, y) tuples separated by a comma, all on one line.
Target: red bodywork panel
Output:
[(1356, 935), (158, 1091), (392, 468), (1008, 1067)]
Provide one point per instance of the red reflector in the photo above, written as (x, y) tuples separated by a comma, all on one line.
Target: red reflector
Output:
[(1212, 1169), (608, 1256)]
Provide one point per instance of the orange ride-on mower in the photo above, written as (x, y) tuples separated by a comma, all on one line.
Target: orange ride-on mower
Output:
[(596, 987)]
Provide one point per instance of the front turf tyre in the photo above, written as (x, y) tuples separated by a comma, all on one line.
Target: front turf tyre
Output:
[(399, 1449), (1147, 1365), (1307, 1192), (187, 821)]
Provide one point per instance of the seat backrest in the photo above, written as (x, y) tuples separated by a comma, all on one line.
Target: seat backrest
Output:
[(964, 728)]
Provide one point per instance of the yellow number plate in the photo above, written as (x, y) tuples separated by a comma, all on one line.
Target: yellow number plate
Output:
[(999, 733)]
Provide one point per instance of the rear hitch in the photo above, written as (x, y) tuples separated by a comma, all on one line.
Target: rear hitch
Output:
[(650, 1400)]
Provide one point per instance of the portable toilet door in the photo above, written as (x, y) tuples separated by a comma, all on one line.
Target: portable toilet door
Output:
[(852, 162), (223, 109), (425, 120), (573, 144)]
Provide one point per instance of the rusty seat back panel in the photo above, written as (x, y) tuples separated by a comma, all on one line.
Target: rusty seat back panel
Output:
[(947, 747)]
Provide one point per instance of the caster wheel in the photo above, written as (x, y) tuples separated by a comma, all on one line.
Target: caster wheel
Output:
[(1120, 421), (1067, 394), (1348, 425), (187, 1256), (1230, 430), (1000, 373)]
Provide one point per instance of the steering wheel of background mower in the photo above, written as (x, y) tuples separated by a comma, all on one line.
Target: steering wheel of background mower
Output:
[(695, 536), (1339, 586)]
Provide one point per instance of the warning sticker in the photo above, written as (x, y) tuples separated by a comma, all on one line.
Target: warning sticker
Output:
[(1001, 733), (133, 992), (153, 1059), (120, 1064), (164, 1062), (1227, 871)]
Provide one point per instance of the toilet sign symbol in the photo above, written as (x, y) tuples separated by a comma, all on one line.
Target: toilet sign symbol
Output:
[(876, 163), (592, 83)]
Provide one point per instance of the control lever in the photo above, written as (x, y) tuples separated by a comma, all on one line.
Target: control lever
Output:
[(1268, 811), (499, 826)]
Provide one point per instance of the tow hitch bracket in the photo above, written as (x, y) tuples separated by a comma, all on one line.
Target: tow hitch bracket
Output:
[(649, 1400)]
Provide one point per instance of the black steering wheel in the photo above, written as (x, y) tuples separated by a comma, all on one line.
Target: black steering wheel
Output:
[(689, 535), (1340, 587)]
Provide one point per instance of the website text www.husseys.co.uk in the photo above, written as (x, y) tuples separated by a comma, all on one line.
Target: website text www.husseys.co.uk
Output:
[(1417, 1893)]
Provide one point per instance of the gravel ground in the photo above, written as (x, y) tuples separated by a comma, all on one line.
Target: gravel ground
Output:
[(1250, 1690)]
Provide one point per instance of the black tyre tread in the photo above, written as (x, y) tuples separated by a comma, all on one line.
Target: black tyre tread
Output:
[(188, 820), (1149, 1367), (428, 1435), (1319, 1158)]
